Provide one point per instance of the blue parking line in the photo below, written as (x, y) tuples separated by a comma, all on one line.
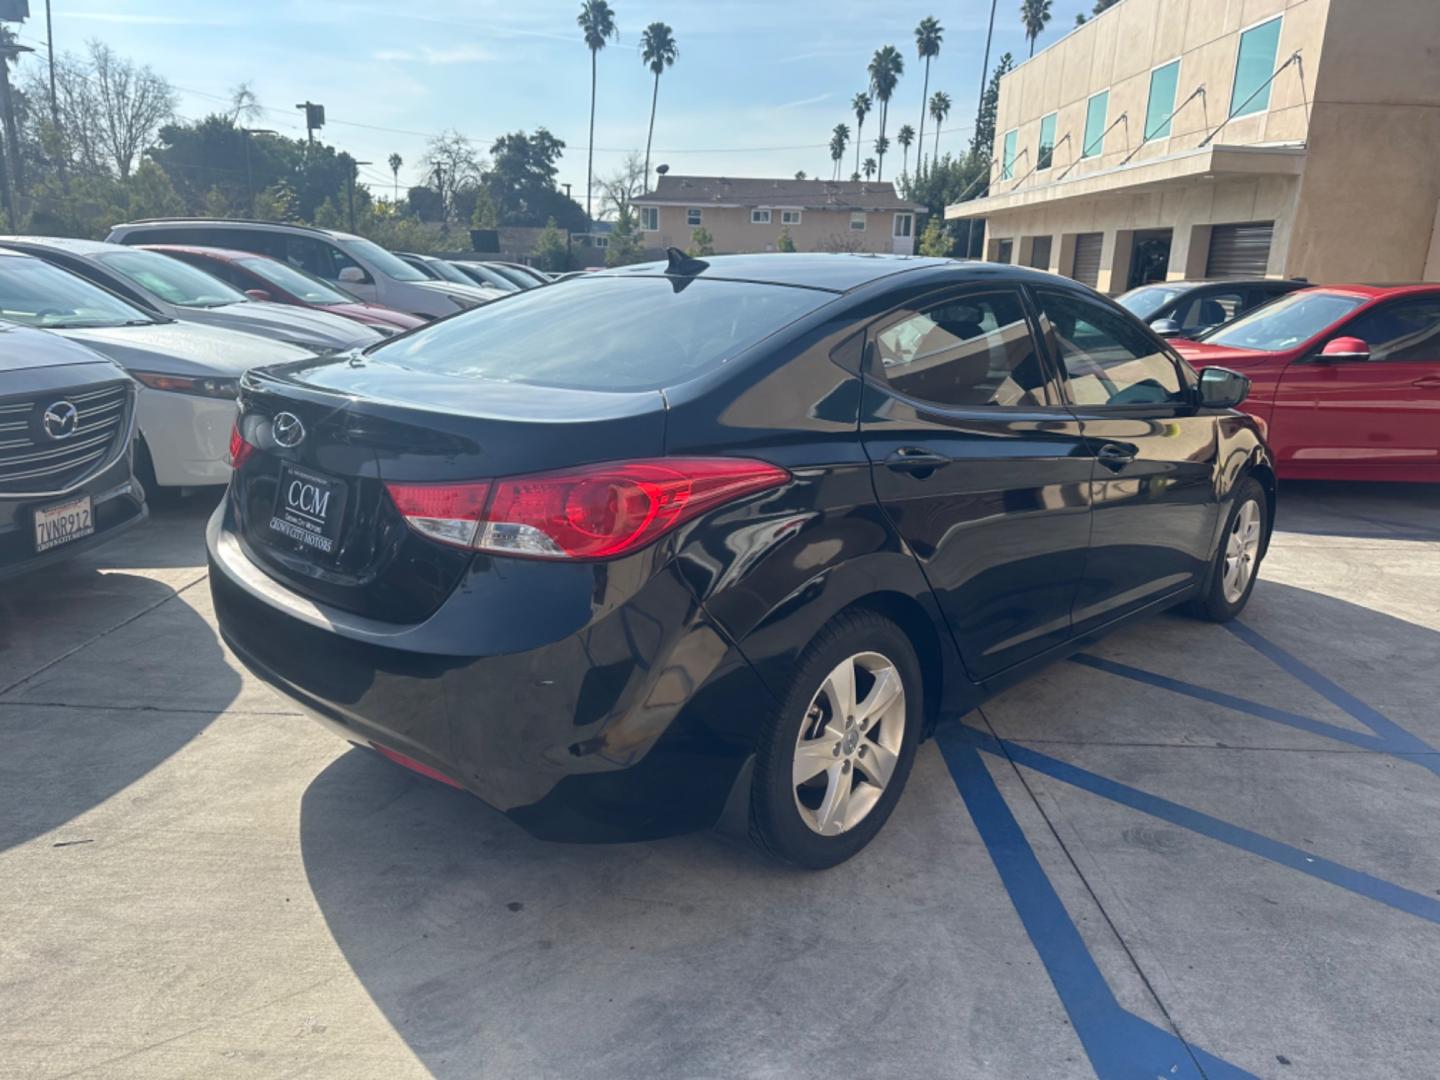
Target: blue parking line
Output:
[(1395, 737), (1119, 1044), (1230, 701), (1355, 881)]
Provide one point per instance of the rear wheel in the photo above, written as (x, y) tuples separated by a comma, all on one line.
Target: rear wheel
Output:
[(836, 754), (1237, 563)]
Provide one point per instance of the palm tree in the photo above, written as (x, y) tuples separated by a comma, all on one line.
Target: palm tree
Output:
[(886, 67), (1034, 14), (939, 110), (928, 36), (597, 21), (861, 104), (882, 144), (905, 138), (868, 168), (395, 162), (658, 49), (839, 139)]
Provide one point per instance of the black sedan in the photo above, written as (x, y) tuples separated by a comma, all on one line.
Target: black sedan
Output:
[(730, 533), (1191, 308), (67, 428)]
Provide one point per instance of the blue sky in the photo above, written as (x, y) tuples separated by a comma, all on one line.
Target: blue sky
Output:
[(755, 92)]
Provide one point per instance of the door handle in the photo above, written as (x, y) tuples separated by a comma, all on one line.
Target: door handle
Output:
[(912, 459), (1115, 456), (1427, 382)]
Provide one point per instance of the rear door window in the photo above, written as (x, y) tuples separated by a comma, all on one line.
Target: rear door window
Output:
[(1208, 310), (1108, 358), (319, 257), (967, 349), (605, 333)]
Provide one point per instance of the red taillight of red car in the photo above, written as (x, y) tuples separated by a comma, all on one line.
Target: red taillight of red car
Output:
[(239, 448), (595, 512)]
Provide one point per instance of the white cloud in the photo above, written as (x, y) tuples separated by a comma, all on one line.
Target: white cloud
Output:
[(816, 100), (454, 54)]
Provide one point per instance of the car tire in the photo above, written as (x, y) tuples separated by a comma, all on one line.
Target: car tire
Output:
[(158, 497), (1242, 546), (862, 757)]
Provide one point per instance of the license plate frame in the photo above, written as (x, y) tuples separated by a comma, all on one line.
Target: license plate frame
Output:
[(309, 508), (63, 523)]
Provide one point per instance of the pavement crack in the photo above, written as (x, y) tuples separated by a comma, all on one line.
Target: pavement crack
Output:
[(98, 637)]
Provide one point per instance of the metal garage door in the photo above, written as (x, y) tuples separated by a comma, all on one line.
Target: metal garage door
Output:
[(1004, 251), (1040, 253), (1087, 258), (1239, 251)]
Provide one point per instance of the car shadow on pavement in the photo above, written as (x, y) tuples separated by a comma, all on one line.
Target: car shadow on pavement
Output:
[(1360, 510), (85, 660), (492, 953), (152, 547)]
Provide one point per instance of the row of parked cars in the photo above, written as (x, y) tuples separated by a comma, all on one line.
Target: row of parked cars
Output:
[(137, 344)]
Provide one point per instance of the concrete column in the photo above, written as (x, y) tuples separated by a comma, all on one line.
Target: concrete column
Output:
[(1024, 248), (1115, 261), (1432, 261), (1062, 255), (1189, 252)]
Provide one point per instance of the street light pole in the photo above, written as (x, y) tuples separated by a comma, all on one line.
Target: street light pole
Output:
[(249, 177)]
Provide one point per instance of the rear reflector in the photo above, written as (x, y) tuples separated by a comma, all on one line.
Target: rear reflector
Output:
[(239, 448), (595, 512), (415, 766)]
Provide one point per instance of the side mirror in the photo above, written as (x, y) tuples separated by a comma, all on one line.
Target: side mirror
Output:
[(258, 294), (1166, 328), (1221, 388), (353, 275), (1345, 348)]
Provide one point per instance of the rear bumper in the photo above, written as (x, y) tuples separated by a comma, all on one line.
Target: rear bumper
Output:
[(634, 726), (117, 503)]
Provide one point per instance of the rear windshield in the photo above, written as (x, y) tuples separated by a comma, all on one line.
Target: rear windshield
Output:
[(1145, 301), (604, 333)]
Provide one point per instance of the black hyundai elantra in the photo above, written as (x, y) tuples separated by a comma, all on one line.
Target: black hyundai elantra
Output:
[(713, 537)]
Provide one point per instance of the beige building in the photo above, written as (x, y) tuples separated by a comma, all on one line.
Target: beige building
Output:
[(743, 214), (1175, 139)]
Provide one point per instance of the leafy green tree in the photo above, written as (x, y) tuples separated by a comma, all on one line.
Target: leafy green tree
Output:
[(701, 243), (936, 240), (551, 251), (597, 23), (625, 245), (928, 37), (785, 242), (149, 193), (886, 67), (1102, 5), (484, 215), (951, 180), (860, 103), (659, 51), (982, 143), (521, 181), (1034, 14)]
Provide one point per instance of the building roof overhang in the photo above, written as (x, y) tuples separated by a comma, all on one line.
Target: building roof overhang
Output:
[(1206, 163)]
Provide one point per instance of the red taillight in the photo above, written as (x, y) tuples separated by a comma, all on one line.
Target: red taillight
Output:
[(239, 448), (415, 766), (595, 512)]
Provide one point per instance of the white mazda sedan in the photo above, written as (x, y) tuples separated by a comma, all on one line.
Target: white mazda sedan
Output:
[(188, 373)]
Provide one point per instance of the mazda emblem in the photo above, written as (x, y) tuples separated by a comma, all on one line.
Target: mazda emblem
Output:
[(60, 420), (288, 429)]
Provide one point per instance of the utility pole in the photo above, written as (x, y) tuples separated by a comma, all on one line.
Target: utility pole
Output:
[(569, 239), (314, 119), (9, 52), (54, 102), (350, 187)]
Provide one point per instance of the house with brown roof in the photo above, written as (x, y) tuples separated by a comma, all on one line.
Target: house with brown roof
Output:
[(744, 214)]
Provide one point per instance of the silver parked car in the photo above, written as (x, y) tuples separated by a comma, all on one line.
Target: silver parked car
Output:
[(360, 266), (173, 289)]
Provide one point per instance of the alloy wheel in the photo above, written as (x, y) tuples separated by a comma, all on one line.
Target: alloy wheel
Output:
[(1242, 551), (849, 743)]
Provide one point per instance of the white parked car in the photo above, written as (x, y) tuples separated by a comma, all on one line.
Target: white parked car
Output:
[(189, 374), (173, 289), (360, 266)]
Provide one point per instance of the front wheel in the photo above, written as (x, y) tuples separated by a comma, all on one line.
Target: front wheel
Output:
[(1237, 563), (835, 756)]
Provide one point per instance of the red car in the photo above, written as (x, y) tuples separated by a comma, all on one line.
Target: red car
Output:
[(263, 278), (1347, 377)]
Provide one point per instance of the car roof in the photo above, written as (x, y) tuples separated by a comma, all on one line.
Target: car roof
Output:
[(1376, 292), (1208, 283), (835, 272), (144, 225), (61, 243), (225, 254)]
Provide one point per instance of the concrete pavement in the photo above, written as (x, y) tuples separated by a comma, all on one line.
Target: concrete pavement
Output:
[(1193, 851)]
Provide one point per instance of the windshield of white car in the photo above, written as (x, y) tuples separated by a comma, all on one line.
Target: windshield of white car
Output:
[(374, 255), (297, 283), (1146, 300), (34, 293), (171, 280), (1284, 323)]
